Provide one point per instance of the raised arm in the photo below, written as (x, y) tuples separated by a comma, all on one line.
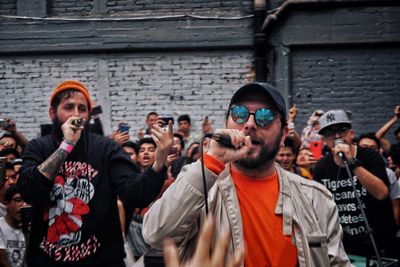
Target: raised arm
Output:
[(386, 127), (72, 134), (12, 128)]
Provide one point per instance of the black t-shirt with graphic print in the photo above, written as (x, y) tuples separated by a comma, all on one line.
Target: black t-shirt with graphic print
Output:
[(75, 217), (379, 213)]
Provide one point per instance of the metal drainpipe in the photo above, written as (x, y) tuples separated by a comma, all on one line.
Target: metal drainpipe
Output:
[(260, 49)]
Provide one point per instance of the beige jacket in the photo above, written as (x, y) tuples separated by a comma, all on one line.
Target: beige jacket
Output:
[(307, 208)]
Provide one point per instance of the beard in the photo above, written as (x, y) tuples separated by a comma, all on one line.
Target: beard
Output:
[(56, 129), (267, 154), (57, 133)]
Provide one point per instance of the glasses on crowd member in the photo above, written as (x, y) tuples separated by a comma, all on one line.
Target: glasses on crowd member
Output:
[(336, 129), (12, 177), (18, 200), (241, 114)]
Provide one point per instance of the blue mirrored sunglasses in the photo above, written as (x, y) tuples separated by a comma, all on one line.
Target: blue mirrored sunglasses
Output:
[(262, 116)]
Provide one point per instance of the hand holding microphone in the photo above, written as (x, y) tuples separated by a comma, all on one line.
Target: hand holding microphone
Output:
[(228, 145), (343, 150), (72, 129)]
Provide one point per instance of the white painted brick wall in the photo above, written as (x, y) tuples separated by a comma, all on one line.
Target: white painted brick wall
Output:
[(128, 86)]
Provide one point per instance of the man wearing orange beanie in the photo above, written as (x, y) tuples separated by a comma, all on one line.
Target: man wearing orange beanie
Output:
[(73, 178)]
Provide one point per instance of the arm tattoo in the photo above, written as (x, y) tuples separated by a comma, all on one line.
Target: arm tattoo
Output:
[(50, 167)]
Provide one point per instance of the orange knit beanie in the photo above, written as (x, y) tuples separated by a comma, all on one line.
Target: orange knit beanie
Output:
[(71, 84)]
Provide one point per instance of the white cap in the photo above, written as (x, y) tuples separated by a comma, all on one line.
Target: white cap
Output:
[(333, 117)]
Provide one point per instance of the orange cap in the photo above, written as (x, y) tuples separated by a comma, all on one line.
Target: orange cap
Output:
[(75, 85)]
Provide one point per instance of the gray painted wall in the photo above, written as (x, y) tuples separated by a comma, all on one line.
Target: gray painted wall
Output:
[(339, 55), (135, 57), (330, 54), (127, 85)]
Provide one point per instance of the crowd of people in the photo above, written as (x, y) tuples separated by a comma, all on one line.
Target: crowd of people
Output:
[(272, 197)]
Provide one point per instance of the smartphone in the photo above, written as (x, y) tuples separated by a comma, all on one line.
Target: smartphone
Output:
[(316, 149), (2, 170), (3, 124), (123, 128), (173, 151), (167, 119), (26, 218), (96, 111)]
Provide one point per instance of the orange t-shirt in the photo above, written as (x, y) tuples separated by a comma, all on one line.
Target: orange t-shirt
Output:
[(262, 228)]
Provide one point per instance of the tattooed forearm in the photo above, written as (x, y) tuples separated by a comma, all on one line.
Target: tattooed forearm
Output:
[(50, 167)]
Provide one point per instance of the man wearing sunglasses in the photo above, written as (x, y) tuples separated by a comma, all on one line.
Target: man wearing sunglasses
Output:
[(371, 182), (281, 218)]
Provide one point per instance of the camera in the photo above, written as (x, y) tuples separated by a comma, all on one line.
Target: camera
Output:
[(167, 119), (3, 124), (96, 111)]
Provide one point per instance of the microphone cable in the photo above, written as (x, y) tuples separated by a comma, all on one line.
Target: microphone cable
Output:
[(359, 202), (203, 172)]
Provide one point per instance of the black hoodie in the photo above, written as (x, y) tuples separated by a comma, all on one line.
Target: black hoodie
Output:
[(75, 217)]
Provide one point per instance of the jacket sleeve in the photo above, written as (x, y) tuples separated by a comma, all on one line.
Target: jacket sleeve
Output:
[(35, 188), (135, 189), (176, 213), (336, 253)]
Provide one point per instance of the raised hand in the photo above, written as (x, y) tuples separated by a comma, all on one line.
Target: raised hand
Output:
[(164, 140), (202, 256), (71, 132)]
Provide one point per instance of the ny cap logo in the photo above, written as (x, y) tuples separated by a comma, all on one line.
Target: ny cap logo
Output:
[(330, 117)]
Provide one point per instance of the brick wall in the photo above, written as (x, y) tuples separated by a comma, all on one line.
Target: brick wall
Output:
[(8, 7), (363, 80), (70, 7), (163, 7), (128, 86), (148, 7)]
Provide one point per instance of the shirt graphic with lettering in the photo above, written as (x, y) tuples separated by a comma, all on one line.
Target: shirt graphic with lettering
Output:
[(335, 178), (13, 242)]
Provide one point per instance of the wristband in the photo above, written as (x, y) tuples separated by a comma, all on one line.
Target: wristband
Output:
[(354, 163), (68, 147)]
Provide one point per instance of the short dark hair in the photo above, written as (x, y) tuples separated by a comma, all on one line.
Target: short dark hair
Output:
[(184, 117), (289, 142), (395, 153), (131, 145), (371, 136), (9, 166), (181, 139), (7, 151), (11, 192), (151, 113), (177, 165), (146, 140)]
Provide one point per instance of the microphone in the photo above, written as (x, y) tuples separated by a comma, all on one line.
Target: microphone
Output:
[(339, 141), (223, 139), (77, 122)]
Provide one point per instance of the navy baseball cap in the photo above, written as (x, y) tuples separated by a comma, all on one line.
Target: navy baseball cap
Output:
[(262, 88)]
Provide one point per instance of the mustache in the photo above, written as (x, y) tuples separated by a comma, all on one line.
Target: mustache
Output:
[(256, 140)]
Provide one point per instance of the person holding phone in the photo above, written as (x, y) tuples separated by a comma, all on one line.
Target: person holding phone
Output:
[(73, 179), (306, 162), (122, 134)]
